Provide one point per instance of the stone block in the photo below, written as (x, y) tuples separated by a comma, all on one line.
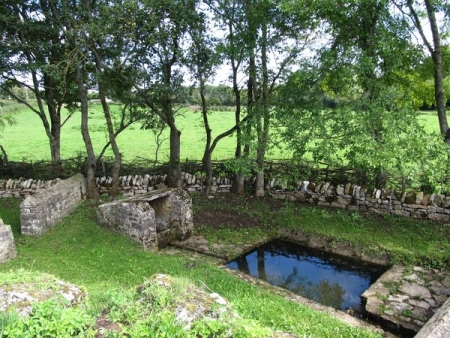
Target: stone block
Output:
[(342, 200), (7, 246), (154, 219), (410, 197), (331, 190), (347, 189), (439, 217), (426, 199), (311, 187), (318, 188), (446, 202), (304, 186), (357, 191), (400, 213), (419, 197), (439, 199), (324, 188), (377, 194), (353, 207)]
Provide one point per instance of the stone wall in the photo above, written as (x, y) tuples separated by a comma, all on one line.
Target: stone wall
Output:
[(153, 219), (46, 207), (136, 185), (435, 207), (348, 196), (7, 247)]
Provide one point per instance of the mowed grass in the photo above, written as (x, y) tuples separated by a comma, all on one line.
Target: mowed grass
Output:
[(27, 141), (78, 250)]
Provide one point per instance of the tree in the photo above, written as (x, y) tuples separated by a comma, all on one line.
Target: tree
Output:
[(413, 10), (274, 34), (229, 16), (161, 39), (371, 122), (73, 19), (362, 64), (31, 59)]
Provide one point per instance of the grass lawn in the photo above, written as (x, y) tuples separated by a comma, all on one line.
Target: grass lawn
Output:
[(80, 251)]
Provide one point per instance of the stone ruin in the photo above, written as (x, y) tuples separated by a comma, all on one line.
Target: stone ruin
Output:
[(7, 247), (154, 219), (46, 208)]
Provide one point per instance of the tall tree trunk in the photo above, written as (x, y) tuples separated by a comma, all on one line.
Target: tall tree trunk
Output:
[(263, 119), (114, 191), (174, 176), (206, 160), (436, 55), (435, 50), (54, 113), (92, 192), (238, 182)]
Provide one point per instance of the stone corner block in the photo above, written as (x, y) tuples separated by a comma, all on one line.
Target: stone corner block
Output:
[(7, 246)]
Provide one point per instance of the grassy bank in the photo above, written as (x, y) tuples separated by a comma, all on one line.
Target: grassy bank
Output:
[(81, 252)]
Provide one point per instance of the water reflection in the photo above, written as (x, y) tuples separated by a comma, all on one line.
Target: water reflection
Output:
[(330, 280)]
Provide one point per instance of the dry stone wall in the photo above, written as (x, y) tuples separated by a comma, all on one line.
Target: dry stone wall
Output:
[(7, 247), (348, 196), (42, 210), (130, 185), (352, 197)]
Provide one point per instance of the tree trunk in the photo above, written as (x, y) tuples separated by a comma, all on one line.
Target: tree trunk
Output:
[(263, 120), (54, 113), (114, 191), (174, 175), (206, 160), (380, 179), (435, 50), (92, 192), (436, 55), (238, 182), (207, 166)]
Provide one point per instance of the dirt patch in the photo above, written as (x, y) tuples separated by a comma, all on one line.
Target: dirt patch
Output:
[(233, 212)]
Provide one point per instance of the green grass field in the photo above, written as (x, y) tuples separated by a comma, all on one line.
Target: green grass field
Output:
[(26, 140)]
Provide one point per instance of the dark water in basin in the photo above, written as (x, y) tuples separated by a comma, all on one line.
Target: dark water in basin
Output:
[(329, 279)]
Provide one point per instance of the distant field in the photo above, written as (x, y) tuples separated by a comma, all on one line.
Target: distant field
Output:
[(27, 141)]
